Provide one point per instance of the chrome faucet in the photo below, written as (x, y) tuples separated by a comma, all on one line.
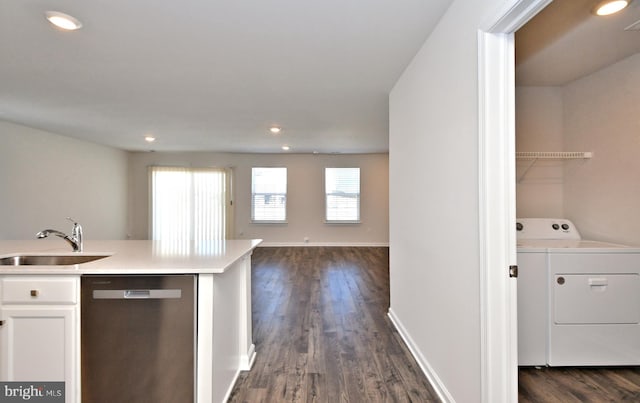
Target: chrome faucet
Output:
[(75, 239)]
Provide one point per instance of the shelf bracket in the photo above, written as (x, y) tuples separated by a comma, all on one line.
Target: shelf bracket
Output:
[(534, 156), (533, 161)]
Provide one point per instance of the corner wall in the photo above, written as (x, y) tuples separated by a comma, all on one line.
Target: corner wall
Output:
[(539, 127), (45, 178), (597, 113), (601, 115)]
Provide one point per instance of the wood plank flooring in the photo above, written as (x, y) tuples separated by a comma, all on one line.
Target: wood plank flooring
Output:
[(322, 333), (568, 385)]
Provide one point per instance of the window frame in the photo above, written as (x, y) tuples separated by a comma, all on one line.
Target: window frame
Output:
[(326, 194), (253, 220)]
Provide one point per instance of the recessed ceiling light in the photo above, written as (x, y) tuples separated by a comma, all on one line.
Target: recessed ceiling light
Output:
[(610, 7), (149, 139), (63, 21), (286, 148), (275, 129)]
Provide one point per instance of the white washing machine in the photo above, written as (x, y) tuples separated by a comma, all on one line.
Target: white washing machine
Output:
[(578, 300)]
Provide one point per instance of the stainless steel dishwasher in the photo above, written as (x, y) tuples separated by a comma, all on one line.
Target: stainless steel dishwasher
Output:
[(138, 339)]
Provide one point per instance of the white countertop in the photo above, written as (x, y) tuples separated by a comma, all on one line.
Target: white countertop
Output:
[(132, 257)]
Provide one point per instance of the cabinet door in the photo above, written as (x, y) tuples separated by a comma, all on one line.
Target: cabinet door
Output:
[(38, 344)]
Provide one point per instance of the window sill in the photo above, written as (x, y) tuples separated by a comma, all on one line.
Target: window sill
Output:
[(342, 222)]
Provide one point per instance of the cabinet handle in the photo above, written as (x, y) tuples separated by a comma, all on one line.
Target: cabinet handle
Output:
[(1, 322), (34, 293)]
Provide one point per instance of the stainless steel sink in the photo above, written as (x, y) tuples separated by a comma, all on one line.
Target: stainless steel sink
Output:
[(48, 260)]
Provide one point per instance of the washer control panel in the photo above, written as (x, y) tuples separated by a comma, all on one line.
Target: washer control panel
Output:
[(546, 228)]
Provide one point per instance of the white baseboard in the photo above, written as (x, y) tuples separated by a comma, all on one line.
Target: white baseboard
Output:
[(334, 244), (247, 360), (231, 386), (431, 375)]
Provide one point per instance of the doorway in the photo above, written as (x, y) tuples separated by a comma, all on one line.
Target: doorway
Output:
[(497, 197), (570, 66), (498, 287)]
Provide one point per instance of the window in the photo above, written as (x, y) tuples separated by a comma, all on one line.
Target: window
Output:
[(188, 204), (342, 194), (269, 194)]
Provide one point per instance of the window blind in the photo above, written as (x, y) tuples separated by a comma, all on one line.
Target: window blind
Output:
[(269, 194), (188, 204), (342, 194)]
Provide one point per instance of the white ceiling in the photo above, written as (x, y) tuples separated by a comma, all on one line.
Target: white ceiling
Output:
[(211, 74), (565, 41)]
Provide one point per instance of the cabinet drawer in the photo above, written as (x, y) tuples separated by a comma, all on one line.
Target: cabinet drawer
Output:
[(39, 290)]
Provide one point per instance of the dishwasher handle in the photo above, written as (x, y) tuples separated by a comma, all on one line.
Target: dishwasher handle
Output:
[(138, 294)]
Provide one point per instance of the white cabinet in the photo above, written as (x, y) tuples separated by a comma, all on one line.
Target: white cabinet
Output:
[(39, 336)]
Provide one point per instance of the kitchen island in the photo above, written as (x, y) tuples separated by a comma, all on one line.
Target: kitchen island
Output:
[(37, 296)]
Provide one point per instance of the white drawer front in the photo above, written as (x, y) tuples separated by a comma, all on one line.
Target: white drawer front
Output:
[(596, 299), (39, 290)]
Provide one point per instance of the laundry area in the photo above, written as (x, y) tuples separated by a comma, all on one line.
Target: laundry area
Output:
[(578, 187), (578, 300)]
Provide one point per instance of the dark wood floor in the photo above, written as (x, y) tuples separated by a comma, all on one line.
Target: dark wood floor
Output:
[(322, 333), (567, 385)]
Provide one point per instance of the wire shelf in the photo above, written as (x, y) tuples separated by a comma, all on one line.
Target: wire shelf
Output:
[(534, 156), (556, 155)]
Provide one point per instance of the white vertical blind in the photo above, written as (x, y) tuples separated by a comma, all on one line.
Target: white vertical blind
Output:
[(269, 194), (188, 205), (342, 194)]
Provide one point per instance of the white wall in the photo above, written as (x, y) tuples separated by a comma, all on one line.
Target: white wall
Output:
[(45, 177), (305, 197), (597, 113), (433, 163), (601, 114), (539, 127)]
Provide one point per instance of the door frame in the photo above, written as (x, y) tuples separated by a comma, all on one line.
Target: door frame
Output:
[(496, 174)]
